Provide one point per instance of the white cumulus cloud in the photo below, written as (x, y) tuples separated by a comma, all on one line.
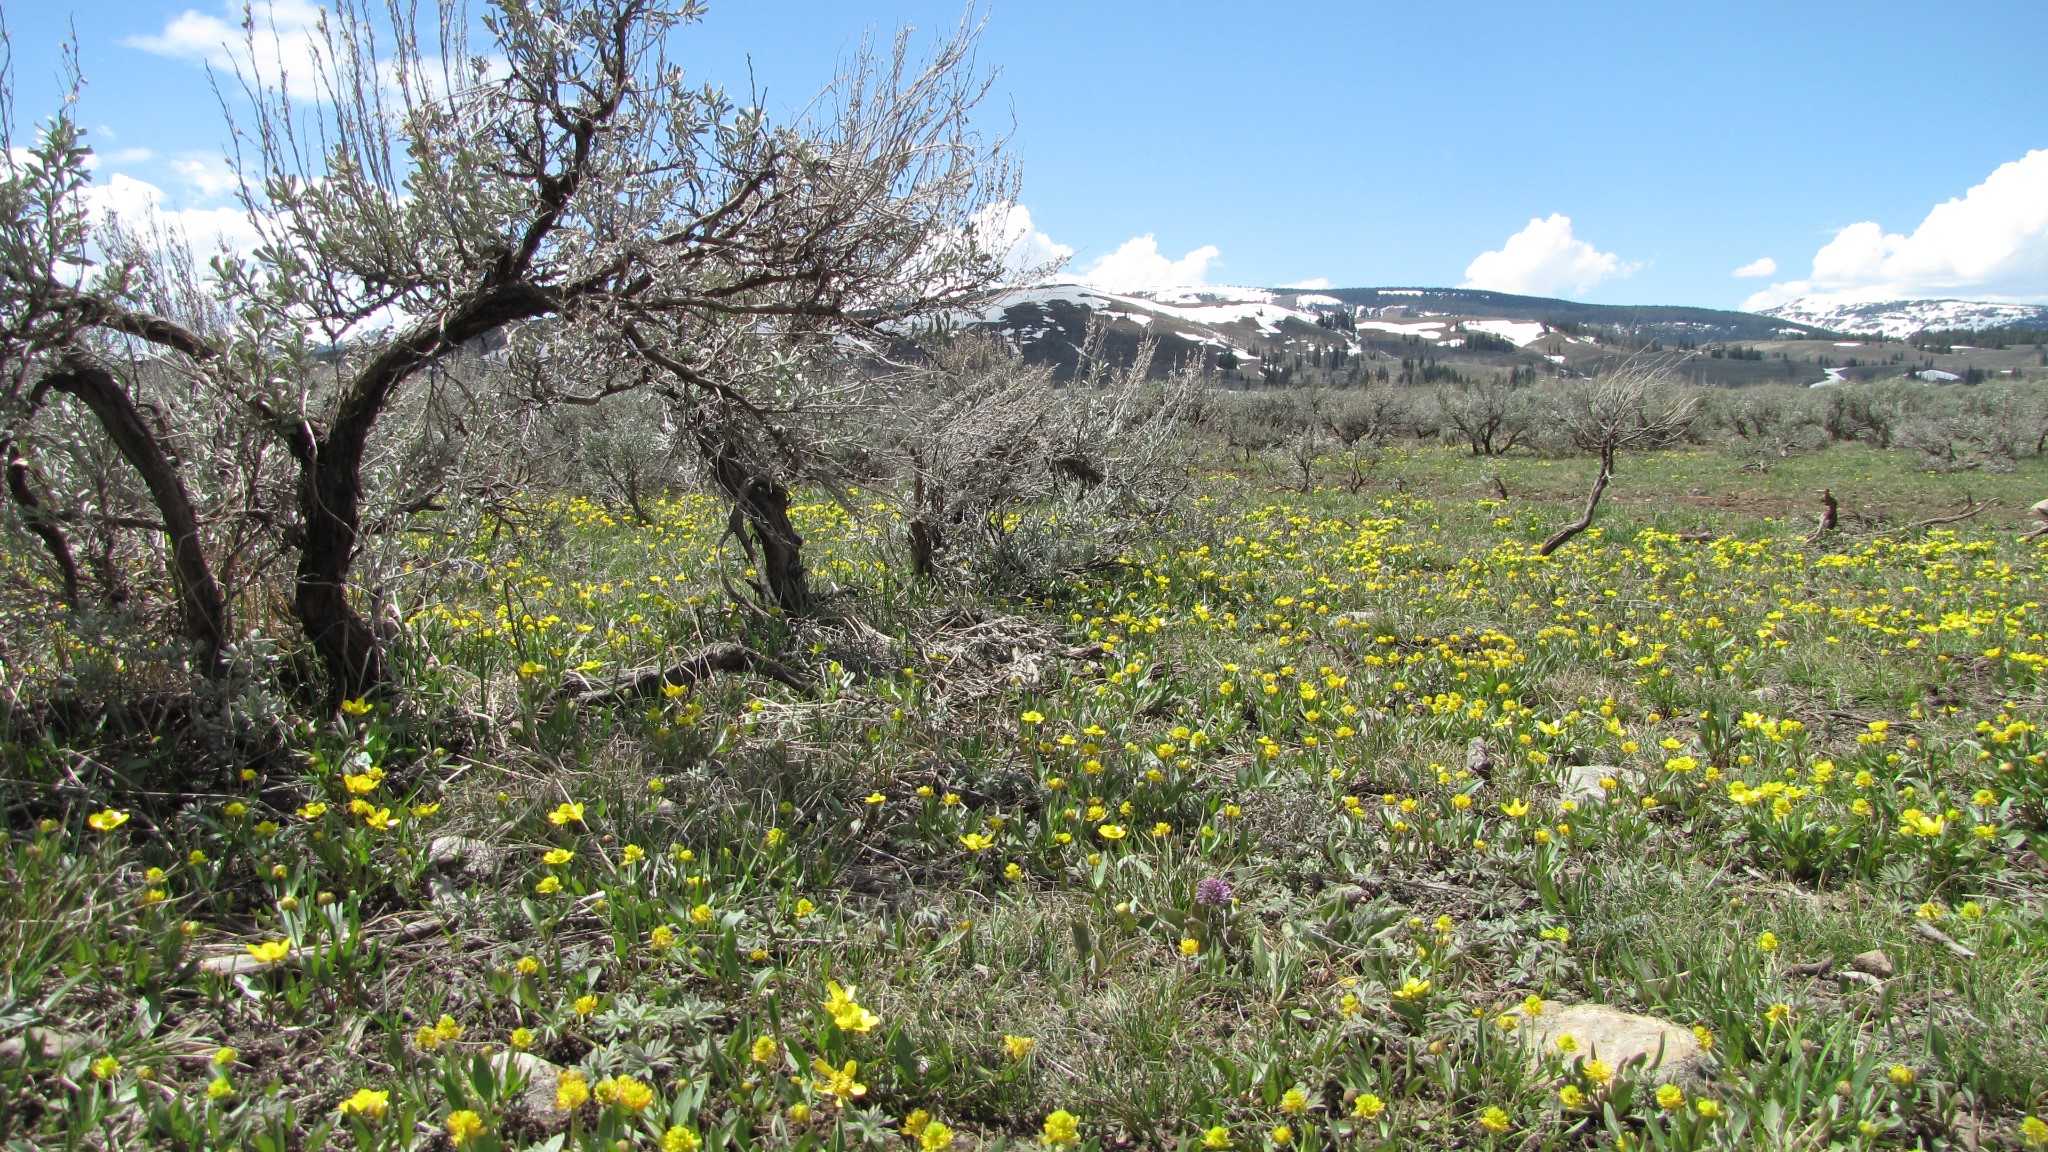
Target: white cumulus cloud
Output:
[(1008, 228), (281, 47), (209, 176), (1762, 266), (1544, 259), (1990, 243), (1138, 263), (144, 208), (1311, 284)]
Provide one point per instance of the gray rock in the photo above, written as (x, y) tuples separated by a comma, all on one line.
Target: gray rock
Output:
[(1581, 782), (243, 964), (1874, 963), (41, 1044), (1478, 759), (465, 857), (236, 964), (1346, 894), (537, 1099), (1669, 1052)]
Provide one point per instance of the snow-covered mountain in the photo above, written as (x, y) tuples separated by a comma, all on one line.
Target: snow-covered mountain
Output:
[(1231, 328), (1899, 319), (1325, 332)]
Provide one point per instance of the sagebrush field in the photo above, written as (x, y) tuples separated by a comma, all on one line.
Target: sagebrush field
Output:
[(1289, 826)]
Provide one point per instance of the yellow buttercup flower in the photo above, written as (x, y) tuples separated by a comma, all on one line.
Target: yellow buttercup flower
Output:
[(624, 1092), (846, 1012), (464, 1126), (838, 1083), (572, 1091), (368, 1104)]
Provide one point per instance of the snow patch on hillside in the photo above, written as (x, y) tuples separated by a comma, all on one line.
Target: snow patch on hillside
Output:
[(1427, 329), (1899, 319), (1522, 332), (1206, 307)]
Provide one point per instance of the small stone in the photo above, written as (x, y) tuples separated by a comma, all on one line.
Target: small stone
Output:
[(465, 857), (1347, 894), (1478, 759), (234, 964), (537, 1099), (1874, 963), (41, 1044), (1581, 782), (1668, 1051)]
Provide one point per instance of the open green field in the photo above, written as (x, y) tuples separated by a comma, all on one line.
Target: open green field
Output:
[(1302, 825)]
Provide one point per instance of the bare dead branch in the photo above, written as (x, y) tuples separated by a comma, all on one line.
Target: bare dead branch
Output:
[(638, 683)]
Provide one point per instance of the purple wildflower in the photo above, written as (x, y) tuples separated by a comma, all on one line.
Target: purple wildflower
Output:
[(1214, 891)]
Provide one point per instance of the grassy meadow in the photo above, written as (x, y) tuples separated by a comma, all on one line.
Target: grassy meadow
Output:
[(1283, 830)]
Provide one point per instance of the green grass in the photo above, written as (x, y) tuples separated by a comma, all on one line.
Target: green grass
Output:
[(921, 829)]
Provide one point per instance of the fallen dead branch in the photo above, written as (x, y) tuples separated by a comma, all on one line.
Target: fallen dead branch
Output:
[(1970, 510), (635, 683)]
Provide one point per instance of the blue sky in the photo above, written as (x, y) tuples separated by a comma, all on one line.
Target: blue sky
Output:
[(1635, 153)]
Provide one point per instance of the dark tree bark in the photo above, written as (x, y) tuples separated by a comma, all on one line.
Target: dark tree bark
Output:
[(760, 521), (927, 536), (38, 520), (926, 539), (1585, 520), (202, 606), (330, 492)]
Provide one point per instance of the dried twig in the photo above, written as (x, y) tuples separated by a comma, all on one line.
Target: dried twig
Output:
[(639, 682), (1944, 939)]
